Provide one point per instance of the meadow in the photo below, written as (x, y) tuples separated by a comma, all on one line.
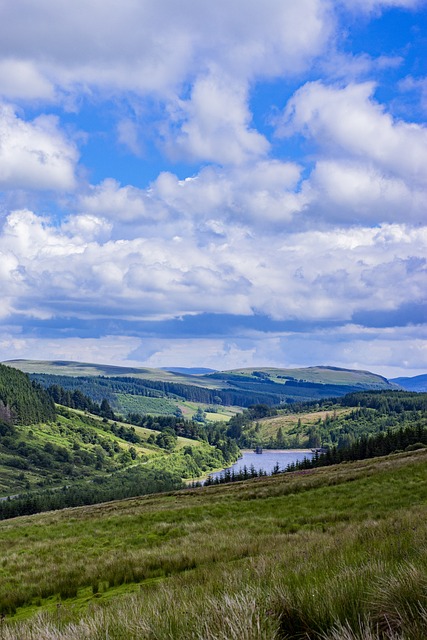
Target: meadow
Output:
[(334, 553)]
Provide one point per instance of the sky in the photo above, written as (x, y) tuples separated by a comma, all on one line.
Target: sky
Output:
[(218, 184)]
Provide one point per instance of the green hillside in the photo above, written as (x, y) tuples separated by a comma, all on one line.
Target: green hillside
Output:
[(329, 423), (321, 375), (71, 448), (77, 448), (334, 553), (90, 456), (46, 447)]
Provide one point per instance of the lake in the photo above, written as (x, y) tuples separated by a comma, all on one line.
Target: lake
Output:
[(267, 460)]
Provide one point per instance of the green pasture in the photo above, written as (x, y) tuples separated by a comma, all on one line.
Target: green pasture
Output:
[(128, 403), (218, 413)]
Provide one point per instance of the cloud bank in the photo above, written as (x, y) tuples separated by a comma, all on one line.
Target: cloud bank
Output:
[(250, 162)]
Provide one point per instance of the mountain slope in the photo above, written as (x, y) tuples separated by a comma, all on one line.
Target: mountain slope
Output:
[(317, 375), (417, 383)]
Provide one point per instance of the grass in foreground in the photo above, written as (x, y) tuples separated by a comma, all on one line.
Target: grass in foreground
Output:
[(337, 553)]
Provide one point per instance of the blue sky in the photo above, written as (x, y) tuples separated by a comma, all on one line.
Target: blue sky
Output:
[(238, 183)]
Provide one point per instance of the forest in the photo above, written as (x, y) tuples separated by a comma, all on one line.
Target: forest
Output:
[(22, 402), (100, 387)]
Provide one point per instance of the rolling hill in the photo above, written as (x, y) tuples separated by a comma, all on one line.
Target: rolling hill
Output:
[(160, 391)]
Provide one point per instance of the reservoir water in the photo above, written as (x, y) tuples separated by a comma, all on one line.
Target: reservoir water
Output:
[(267, 460)]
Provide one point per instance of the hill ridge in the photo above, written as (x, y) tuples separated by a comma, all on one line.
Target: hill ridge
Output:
[(235, 387)]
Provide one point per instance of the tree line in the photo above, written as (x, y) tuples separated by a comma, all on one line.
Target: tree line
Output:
[(136, 481), (381, 444), (410, 438)]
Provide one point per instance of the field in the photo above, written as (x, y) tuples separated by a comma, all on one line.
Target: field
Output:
[(213, 414), (127, 403), (337, 553)]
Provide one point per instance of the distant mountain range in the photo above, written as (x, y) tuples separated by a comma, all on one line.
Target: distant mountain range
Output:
[(417, 383), (192, 371)]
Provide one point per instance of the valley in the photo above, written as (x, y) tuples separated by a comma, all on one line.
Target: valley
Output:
[(107, 526)]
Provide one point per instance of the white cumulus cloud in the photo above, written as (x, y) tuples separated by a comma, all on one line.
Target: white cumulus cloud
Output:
[(358, 192), (156, 45), (216, 124), (36, 154), (73, 270), (347, 121)]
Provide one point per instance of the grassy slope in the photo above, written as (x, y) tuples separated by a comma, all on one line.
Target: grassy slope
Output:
[(140, 431), (128, 403), (267, 559), (323, 375), (65, 432)]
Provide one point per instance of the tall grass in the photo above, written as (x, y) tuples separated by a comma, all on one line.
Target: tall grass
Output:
[(340, 553)]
